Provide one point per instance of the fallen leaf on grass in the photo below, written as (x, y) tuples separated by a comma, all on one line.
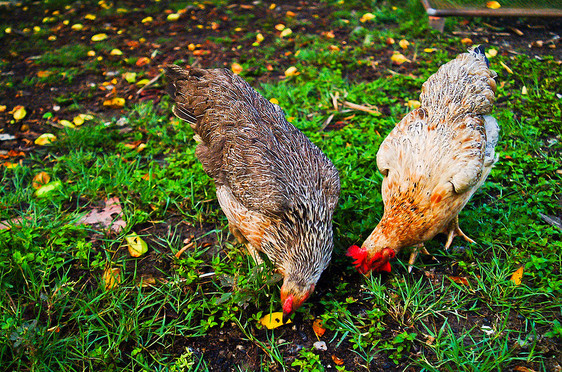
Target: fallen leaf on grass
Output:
[(398, 58), (104, 216), (291, 71), (67, 124), (45, 139), (19, 112), (337, 361), (236, 68), (523, 369), (45, 190), (413, 104), (115, 103), (367, 17), (173, 17), (40, 179), (142, 61), (459, 280), (111, 277), (518, 275), (116, 52), (99, 37), (147, 20), (493, 5), (44, 74), (131, 77), (286, 32), (404, 43), (318, 327), (137, 247), (8, 224), (273, 320)]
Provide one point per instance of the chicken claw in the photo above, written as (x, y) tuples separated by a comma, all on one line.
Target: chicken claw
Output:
[(455, 230), (417, 249)]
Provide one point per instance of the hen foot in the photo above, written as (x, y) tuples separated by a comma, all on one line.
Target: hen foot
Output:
[(453, 231), (417, 249)]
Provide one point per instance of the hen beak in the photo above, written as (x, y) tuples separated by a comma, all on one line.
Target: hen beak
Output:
[(286, 317)]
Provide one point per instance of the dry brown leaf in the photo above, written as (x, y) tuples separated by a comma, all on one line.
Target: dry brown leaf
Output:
[(523, 369), (459, 279), (318, 328), (337, 361), (40, 179), (518, 275), (104, 216), (142, 61)]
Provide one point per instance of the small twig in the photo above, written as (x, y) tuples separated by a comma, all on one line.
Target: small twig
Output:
[(327, 122), (355, 106), (552, 221), (185, 247), (155, 79)]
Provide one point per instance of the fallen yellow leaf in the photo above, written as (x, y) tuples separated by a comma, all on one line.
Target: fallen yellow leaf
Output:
[(466, 41), (45, 138), (236, 68), (115, 103), (429, 50), (99, 37), (280, 27), (78, 120), (44, 74), (142, 82), (493, 5), (524, 90), (91, 17), (404, 43), (66, 123), (367, 17), (111, 277), (19, 112), (147, 20), (274, 101), (491, 53), (116, 52), (273, 320), (518, 275), (286, 32), (77, 27), (259, 37), (173, 17), (398, 58), (131, 77), (291, 71), (48, 188), (137, 247), (413, 104)]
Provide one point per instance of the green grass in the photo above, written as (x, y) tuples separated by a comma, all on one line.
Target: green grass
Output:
[(57, 314)]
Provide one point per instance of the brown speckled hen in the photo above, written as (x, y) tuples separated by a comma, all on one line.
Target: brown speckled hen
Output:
[(433, 161), (277, 189)]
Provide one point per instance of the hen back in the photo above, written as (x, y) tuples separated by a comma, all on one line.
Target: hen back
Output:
[(277, 189), (434, 160)]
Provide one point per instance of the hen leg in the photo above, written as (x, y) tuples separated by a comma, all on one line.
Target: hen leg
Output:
[(242, 239), (455, 230), (415, 251)]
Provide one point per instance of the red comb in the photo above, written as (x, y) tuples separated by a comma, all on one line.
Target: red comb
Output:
[(380, 262), (360, 256)]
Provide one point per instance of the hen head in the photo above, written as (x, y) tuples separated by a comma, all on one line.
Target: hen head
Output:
[(292, 297), (365, 263)]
